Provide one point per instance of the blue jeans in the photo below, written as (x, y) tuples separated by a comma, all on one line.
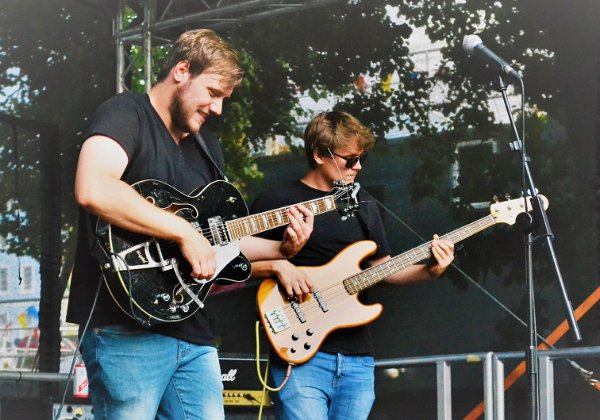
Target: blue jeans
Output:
[(138, 374), (328, 386)]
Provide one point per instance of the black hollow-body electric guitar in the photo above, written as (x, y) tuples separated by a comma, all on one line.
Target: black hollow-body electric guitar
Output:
[(150, 280)]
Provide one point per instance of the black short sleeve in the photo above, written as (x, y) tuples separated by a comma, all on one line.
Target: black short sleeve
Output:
[(119, 119)]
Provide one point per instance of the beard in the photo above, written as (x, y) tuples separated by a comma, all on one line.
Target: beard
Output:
[(179, 114)]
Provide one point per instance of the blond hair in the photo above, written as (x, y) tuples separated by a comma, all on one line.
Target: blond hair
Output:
[(204, 50), (334, 129)]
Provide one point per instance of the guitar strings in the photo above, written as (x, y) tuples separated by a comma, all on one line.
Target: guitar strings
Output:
[(376, 273), (371, 275), (279, 216), (242, 226), (238, 225)]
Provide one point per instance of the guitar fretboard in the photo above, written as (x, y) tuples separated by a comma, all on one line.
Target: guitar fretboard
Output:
[(257, 223), (373, 275)]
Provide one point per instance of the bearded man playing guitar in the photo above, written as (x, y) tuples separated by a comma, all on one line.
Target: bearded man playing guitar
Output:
[(338, 381), (138, 370)]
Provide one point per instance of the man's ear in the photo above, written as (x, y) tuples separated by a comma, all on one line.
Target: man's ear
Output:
[(181, 71), (318, 158)]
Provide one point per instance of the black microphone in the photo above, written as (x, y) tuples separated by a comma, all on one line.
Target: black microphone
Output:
[(474, 46)]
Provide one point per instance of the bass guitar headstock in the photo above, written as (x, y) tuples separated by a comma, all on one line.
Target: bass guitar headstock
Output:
[(507, 211)]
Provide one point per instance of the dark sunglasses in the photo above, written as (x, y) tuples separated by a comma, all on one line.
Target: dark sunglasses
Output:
[(352, 160)]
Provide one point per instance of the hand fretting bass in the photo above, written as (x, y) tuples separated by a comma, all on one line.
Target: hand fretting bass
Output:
[(296, 330), (151, 281)]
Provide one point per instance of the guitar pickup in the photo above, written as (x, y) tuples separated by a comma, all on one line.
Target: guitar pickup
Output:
[(296, 307), (319, 298), (277, 320)]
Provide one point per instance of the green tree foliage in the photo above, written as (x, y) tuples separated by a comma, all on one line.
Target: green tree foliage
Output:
[(61, 56), (324, 52), (553, 44)]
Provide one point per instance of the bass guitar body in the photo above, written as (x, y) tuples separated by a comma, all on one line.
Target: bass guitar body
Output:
[(296, 330)]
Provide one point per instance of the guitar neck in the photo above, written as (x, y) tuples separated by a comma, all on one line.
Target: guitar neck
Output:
[(373, 275), (257, 223)]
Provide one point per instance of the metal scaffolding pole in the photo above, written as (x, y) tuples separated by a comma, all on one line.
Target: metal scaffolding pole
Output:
[(153, 32)]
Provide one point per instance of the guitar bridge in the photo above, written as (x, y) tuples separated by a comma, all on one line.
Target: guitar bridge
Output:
[(277, 320), (218, 231)]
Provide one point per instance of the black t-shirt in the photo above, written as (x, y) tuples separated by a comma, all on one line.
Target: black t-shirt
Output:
[(132, 122), (330, 235)]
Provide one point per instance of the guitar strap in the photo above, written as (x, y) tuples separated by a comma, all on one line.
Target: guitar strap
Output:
[(202, 143)]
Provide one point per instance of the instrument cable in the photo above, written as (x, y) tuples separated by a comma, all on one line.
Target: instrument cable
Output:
[(75, 352), (263, 379)]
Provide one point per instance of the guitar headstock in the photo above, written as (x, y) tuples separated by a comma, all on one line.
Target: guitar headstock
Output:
[(346, 197), (507, 211)]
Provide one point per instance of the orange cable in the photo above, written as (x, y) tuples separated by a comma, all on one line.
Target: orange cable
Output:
[(551, 339)]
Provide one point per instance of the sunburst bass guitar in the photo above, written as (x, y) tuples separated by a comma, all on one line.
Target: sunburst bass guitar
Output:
[(150, 280), (296, 330)]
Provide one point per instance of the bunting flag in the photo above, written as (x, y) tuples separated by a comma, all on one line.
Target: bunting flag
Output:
[(360, 84), (386, 84), (22, 318), (414, 75), (33, 312)]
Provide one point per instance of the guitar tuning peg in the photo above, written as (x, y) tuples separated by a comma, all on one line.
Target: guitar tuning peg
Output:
[(507, 196), (529, 193), (496, 199)]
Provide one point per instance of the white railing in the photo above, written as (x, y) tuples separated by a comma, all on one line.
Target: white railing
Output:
[(493, 376)]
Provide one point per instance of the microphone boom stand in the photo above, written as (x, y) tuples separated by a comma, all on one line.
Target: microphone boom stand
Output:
[(537, 220)]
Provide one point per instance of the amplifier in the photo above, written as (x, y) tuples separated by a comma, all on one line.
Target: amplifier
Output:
[(73, 411), (240, 381)]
